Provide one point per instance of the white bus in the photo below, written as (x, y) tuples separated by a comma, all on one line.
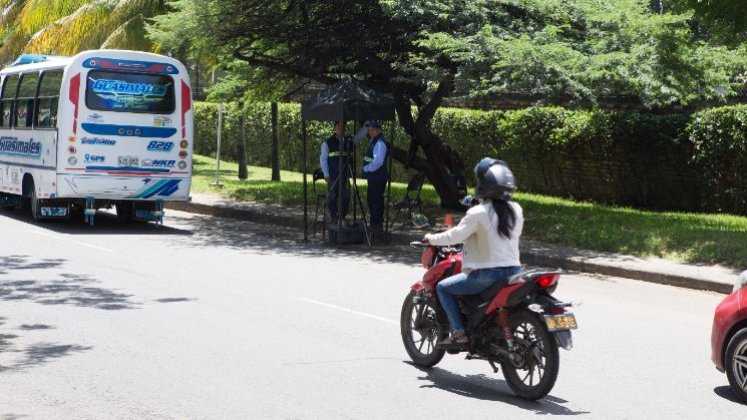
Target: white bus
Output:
[(104, 128)]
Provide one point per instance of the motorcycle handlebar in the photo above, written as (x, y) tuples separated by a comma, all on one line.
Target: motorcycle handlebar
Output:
[(449, 248)]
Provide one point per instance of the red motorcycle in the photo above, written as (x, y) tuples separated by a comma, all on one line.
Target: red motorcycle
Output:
[(519, 327)]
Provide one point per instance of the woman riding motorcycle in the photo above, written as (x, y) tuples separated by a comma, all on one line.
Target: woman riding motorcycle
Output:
[(490, 232)]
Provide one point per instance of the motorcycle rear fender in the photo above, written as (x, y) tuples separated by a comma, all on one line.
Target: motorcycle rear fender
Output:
[(544, 298), (530, 292), (502, 298), (564, 339)]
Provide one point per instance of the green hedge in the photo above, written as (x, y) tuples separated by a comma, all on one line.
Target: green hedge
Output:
[(259, 136), (665, 162), (719, 139)]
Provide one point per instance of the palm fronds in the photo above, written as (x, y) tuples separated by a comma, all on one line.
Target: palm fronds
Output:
[(66, 27)]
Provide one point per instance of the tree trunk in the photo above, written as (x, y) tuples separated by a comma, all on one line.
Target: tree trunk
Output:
[(444, 162), (441, 161), (243, 172), (275, 152)]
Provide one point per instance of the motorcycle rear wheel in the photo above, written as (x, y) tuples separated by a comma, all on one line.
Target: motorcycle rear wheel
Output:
[(533, 374), (420, 340)]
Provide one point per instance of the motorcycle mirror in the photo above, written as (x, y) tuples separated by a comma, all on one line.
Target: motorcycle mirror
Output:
[(420, 220)]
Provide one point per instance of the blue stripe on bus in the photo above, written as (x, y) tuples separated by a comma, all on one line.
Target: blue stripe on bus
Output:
[(128, 130), (164, 188), (26, 165), (124, 169)]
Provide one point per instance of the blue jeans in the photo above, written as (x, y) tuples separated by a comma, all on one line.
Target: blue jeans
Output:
[(469, 284)]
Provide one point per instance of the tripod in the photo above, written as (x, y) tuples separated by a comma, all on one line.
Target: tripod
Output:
[(344, 167)]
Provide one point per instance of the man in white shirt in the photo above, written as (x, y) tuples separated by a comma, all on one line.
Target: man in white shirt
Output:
[(334, 148), (375, 172)]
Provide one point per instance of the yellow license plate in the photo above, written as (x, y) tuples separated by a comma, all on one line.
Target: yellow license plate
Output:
[(561, 322)]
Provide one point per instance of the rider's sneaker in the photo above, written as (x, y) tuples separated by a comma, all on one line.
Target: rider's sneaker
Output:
[(457, 338)]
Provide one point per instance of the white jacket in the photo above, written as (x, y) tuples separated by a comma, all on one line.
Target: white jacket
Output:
[(483, 246)]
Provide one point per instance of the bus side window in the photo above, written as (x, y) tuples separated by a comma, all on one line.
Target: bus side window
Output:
[(6, 100), (25, 101), (48, 99)]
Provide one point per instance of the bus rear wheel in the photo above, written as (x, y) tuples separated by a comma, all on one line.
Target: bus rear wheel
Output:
[(35, 203)]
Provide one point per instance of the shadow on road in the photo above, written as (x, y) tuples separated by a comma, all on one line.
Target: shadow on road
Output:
[(16, 357), (65, 289), (204, 231), (21, 262), (174, 300), (482, 387), (34, 327), (727, 393), (270, 239), (106, 224), (22, 358), (41, 353), (53, 287)]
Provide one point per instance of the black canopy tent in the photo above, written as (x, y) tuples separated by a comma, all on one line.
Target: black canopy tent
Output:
[(343, 101)]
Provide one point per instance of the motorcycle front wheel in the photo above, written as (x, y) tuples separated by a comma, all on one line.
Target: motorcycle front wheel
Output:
[(533, 368), (420, 331)]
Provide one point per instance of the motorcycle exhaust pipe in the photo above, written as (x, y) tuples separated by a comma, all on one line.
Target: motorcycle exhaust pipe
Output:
[(497, 350)]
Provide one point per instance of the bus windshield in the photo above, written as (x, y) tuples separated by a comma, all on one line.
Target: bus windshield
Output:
[(130, 92)]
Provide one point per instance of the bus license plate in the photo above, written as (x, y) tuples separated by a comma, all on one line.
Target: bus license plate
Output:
[(561, 322)]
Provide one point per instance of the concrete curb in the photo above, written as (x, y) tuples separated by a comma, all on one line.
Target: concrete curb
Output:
[(568, 263), (613, 271), (245, 214)]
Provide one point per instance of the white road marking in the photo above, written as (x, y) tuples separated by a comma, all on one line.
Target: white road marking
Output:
[(350, 311), (73, 241)]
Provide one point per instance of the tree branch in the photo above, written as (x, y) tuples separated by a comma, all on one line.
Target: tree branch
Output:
[(444, 88), (284, 68), (403, 156), (404, 111)]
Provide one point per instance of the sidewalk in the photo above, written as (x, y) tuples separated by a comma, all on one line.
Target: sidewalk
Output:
[(702, 277)]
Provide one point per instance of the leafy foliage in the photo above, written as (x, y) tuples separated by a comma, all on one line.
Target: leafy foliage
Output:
[(579, 50), (582, 50), (422, 51), (720, 142), (66, 27), (625, 158), (724, 19)]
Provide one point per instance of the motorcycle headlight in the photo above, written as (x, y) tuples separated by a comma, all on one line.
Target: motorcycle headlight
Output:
[(741, 281)]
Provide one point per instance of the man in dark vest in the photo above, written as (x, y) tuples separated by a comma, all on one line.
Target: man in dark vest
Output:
[(329, 161), (375, 172)]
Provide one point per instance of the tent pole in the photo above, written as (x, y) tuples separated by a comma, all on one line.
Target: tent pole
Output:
[(343, 155), (389, 181), (354, 163), (305, 187)]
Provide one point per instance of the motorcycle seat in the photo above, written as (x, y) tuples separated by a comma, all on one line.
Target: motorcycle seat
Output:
[(491, 291)]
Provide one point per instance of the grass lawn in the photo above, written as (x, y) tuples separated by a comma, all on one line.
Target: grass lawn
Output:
[(694, 238)]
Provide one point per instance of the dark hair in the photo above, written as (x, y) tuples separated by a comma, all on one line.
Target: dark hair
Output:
[(506, 217)]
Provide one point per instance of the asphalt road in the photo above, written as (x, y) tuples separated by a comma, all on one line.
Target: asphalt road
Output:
[(210, 318)]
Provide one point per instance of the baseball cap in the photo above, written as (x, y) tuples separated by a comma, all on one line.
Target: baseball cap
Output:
[(373, 124)]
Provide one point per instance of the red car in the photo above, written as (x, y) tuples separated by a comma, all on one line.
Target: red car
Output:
[(729, 337)]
